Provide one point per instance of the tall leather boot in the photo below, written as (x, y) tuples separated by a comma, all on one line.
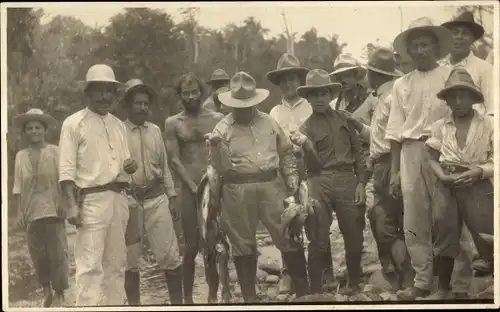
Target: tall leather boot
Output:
[(315, 267), (174, 285), (243, 266), (353, 263), (132, 288), (188, 275), (297, 268)]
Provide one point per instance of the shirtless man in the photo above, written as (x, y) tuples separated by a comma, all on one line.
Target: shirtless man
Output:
[(188, 153)]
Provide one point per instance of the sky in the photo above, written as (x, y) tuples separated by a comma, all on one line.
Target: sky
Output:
[(356, 23)]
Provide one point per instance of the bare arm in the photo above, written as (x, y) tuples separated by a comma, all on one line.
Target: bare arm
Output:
[(432, 156), (167, 175), (172, 146)]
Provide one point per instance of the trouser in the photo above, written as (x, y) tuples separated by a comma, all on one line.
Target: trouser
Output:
[(100, 251), (155, 219), (335, 191), (48, 249), (189, 234)]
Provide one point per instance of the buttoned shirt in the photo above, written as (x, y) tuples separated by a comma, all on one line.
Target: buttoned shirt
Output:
[(478, 148), (482, 74), (38, 184), (148, 150), (260, 146), (291, 116), (415, 106), (93, 149), (378, 143), (336, 142)]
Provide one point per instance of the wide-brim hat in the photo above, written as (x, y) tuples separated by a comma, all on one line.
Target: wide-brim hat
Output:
[(287, 63), (100, 73), (32, 115), (219, 75), (466, 19), (318, 79), (346, 62), (242, 92), (382, 61), (134, 85), (443, 35), (461, 79)]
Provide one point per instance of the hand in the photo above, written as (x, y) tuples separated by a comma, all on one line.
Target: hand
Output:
[(21, 221), (395, 185), (129, 165), (73, 216), (212, 139), (468, 178), (173, 204), (297, 138), (359, 195), (193, 187), (449, 178), (293, 185)]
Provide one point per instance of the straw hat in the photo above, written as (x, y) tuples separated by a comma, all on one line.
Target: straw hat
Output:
[(34, 114), (286, 64), (382, 61), (424, 23), (242, 92), (135, 85), (466, 19), (100, 73), (345, 62), (219, 75), (461, 79), (318, 79)]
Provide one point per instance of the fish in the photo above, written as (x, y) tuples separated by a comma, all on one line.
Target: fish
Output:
[(296, 213)]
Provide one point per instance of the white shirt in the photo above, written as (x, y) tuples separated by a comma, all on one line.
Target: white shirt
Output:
[(482, 74), (415, 106), (291, 117), (93, 149)]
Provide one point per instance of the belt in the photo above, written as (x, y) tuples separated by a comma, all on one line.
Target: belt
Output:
[(113, 186), (245, 178), (150, 190), (333, 169), (422, 138)]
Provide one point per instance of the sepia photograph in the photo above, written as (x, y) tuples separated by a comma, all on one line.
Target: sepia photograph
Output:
[(250, 155)]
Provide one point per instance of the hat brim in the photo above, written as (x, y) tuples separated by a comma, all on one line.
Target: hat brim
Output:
[(443, 35), (274, 75), (22, 119), (136, 88), (360, 71), (479, 98), (219, 80), (226, 99), (304, 90), (477, 30), (88, 83), (395, 73)]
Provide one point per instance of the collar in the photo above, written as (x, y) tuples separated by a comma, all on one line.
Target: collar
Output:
[(463, 62), (382, 89), (90, 112), (133, 126), (231, 121), (289, 105), (449, 117)]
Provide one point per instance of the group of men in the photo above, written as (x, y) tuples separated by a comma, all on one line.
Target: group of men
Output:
[(402, 151)]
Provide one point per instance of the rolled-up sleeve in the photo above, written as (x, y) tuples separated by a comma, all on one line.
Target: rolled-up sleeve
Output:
[(436, 137), (68, 147), (396, 115)]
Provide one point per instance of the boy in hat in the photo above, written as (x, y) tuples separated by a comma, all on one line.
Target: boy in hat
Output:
[(290, 115), (248, 150), (94, 170), (149, 201), (413, 112), (465, 31), (37, 193), (332, 155), (188, 153), (218, 80), (385, 215), (461, 161)]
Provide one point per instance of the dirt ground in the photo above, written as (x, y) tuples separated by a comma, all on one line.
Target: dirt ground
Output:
[(24, 290)]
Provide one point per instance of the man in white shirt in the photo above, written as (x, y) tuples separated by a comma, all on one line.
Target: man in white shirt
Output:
[(414, 109), (94, 172)]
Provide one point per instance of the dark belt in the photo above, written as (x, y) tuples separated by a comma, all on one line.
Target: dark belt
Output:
[(149, 190), (245, 178), (422, 138), (113, 186)]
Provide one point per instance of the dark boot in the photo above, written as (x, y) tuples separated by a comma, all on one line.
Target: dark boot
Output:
[(328, 276), (353, 263), (244, 269), (444, 269), (315, 267), (174, 285), (188, 275), (132, 289), (297, 268)]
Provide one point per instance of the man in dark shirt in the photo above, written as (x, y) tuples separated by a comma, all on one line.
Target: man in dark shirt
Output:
[(336, 178)]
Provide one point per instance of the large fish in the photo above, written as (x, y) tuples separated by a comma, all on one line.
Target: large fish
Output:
[(294, 218), (213, 241)]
